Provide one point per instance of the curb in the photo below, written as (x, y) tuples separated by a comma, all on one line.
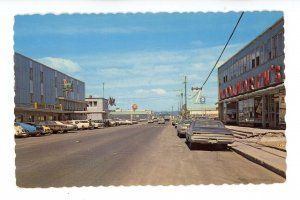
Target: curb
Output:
[(260, 162)]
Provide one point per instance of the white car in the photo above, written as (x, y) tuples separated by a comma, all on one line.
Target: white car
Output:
[(81, 124), (20, 132), (98, 123)]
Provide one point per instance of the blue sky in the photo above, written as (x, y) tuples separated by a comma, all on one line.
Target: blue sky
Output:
[(141, 58)]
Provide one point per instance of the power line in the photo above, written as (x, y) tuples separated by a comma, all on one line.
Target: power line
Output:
[(223, 49)]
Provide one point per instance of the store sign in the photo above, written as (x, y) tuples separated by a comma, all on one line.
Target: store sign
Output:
[(67, 86), (253, 83)]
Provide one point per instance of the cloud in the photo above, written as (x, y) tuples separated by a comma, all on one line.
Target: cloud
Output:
[(63, 65), (159, 91)]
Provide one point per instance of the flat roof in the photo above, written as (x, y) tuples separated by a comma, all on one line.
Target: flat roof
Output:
[(48, 67)]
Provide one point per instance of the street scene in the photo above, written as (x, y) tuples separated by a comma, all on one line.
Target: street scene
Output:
[(149, 99)]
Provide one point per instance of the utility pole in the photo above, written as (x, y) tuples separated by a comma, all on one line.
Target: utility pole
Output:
[(185, 98)]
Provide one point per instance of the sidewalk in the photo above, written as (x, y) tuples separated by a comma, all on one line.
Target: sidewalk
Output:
[(265, 147)]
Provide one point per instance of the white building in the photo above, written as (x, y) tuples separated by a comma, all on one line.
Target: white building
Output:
[(97, 108)]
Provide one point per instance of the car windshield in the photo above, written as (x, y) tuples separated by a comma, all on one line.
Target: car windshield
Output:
[(208, 124)]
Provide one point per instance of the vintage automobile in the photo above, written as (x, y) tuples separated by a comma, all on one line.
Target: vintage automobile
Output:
[(182, 127), (150, 121), (68, 127), (208, 131), (161, 121), (19, 131), (98, 123), (37, 126), (31, 130), (82, 124), (55, 127)]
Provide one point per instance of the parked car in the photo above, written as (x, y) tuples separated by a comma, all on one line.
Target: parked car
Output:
[(161, 121), (31, 130), (82, 124), (98, 123), (182, 127), (68, 127), (150, 121), (37, 126), (46, 130), (19, 131), (111, 122), (55, 127), (208, 131)]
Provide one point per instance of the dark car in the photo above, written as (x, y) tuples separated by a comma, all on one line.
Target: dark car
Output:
[(208, 131)]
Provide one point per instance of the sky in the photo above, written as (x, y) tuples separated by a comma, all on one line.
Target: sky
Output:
[(140, 58)]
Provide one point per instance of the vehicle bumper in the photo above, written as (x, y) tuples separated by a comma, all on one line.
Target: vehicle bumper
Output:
[(211, 140)]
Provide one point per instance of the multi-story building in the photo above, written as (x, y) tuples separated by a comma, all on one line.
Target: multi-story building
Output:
[(43, 93), (97, 108), (251, 83)]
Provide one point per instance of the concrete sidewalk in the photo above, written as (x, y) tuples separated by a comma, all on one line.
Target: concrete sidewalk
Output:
[(263, 146)]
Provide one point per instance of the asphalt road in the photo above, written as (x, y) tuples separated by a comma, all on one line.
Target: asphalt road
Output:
[(148, 154)]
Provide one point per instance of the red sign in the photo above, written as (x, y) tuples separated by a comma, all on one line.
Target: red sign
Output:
[(253, 83), (134, 107)]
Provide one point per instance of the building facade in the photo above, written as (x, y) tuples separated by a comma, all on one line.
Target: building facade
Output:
[(97, 108), (137, 115), (42, 93), (251, 83)]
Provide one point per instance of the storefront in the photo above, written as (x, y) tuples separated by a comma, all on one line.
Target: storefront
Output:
[(251, 83)]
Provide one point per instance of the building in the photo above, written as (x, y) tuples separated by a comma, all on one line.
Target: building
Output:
[(210, 112), (97, 108), (42, 93), (127, 114), (251, 83)]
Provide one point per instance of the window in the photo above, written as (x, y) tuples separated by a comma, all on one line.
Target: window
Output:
[(31, 73), (280, 44), (267, 51), (261, 54), (274, 47), (42, 76), (257, 61), (95, 103), (31, 97), (55, 81), (253, 59), (90, 104)]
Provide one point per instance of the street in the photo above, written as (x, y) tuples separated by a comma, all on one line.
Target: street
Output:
[(142, 154)]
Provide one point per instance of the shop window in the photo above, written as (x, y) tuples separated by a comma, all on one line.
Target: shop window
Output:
[(246, 110)]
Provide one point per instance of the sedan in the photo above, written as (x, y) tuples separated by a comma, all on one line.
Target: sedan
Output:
[(207, 131), (183, 127), (31, 130)]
